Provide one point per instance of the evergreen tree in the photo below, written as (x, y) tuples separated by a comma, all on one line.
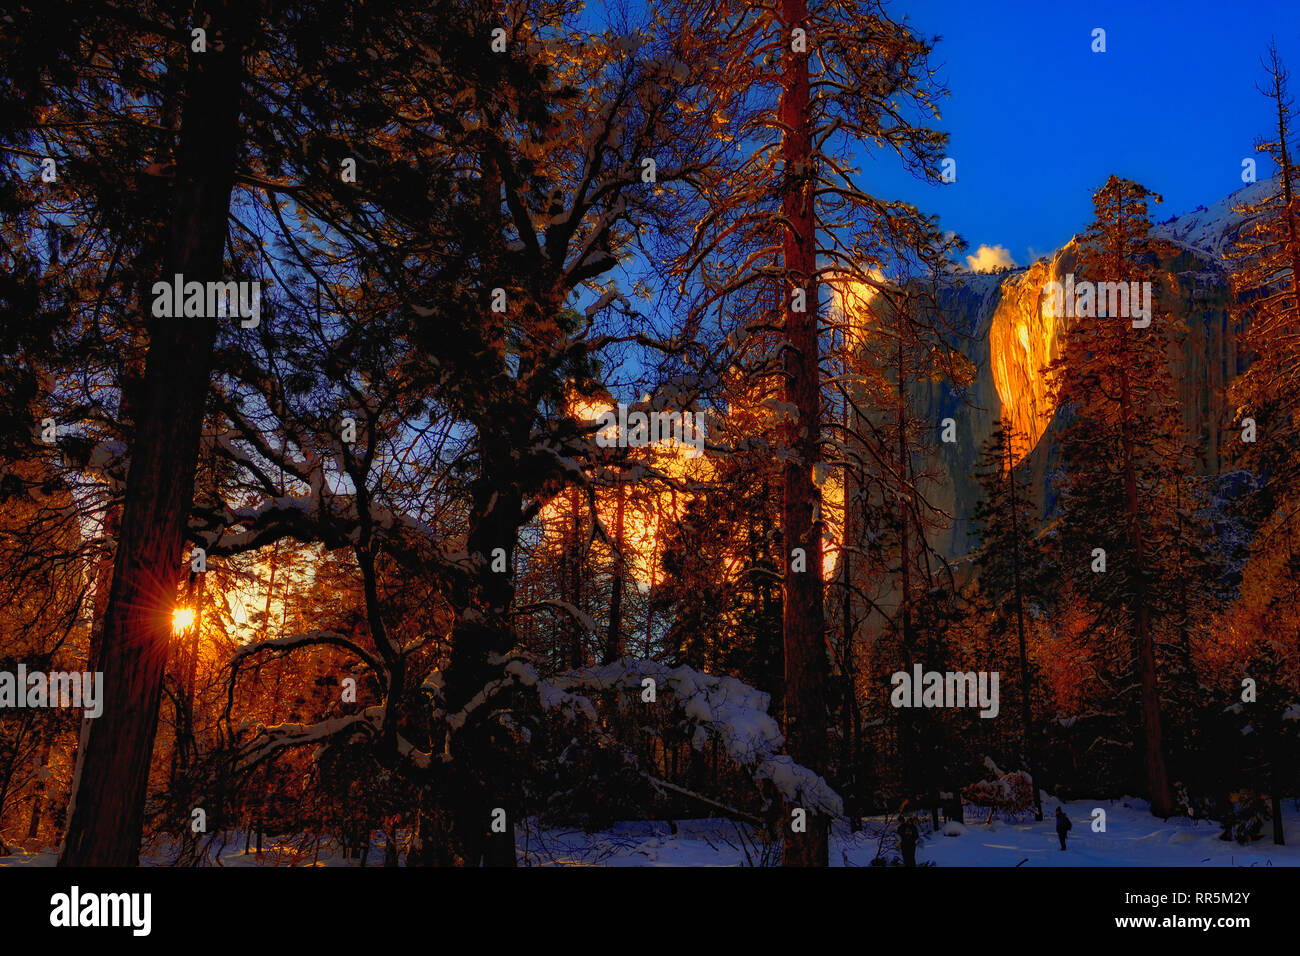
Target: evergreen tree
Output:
[(1010, 565), (1265, 260), (108, 806), (1121, 442), (781, 215)]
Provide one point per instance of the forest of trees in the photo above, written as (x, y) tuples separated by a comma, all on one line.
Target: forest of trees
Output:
[(353, 563)]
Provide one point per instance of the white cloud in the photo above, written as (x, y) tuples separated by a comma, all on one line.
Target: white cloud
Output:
[(988, 258)]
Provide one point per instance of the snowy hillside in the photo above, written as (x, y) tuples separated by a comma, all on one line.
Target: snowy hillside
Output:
[(1211, 228)]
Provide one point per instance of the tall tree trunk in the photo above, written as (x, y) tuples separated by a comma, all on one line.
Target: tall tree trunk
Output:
[(573, 584), (1293, 249), (850, 717), (1279, 834), (479, 778), (103, 585), (1152, 729), (186, 746), (1288, 199), (1026, 721), (849, 714), (909, 733), (38, 795), (107, 813), (804, 624), (192, 656), (653, 562), (614, 636), (479, 782)]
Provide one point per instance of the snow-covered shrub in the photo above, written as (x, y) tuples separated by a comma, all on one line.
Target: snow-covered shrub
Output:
[(721, 723)]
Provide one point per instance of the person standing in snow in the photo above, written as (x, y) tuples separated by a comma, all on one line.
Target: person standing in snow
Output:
[(1063, 825), (907, 839)]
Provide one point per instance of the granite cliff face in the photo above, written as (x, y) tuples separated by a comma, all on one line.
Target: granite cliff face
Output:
[(1013, 336)]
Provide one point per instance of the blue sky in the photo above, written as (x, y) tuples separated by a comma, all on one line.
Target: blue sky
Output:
[(1038, 121)]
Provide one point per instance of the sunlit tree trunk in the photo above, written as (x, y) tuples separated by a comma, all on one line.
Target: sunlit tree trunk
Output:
[(1026, 723), (614, 636), (803, 624)]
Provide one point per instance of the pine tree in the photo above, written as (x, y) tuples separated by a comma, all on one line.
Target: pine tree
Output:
[(1265, 260), (1121, 442), (782, 213), (722, 557), (108, 810), (1010, 561), (473, 232), (1266, 287)]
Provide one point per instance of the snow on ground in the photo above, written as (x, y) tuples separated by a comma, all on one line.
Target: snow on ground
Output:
[(1133, 838)]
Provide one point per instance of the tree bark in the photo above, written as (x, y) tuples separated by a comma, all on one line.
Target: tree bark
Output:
[(803, 612), (908, 732), (1152, 729), (1025, 717), (614, 636), (474, 793), (107, 814)]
